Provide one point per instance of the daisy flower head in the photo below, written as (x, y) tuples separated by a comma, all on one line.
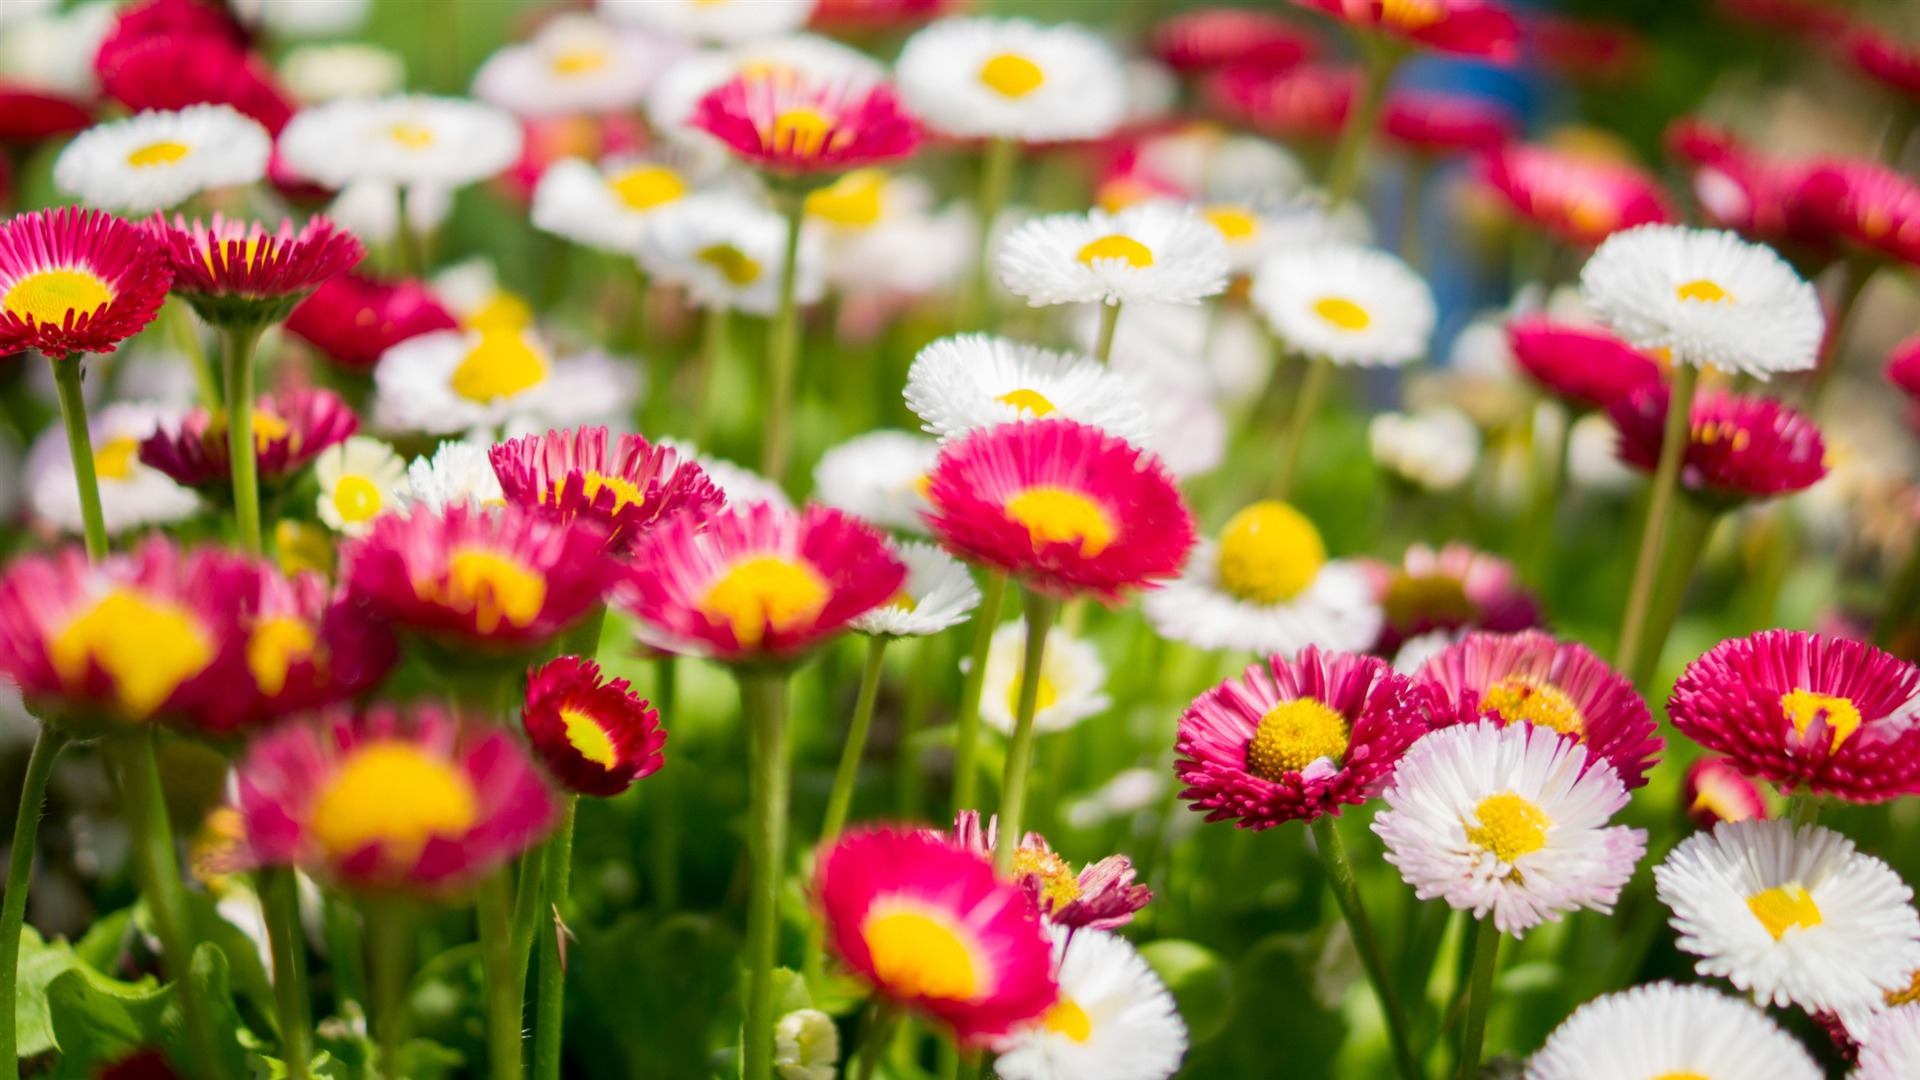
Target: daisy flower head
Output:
[(625, 485), (133, 494), (1791, 915), (1531, 678), (173, 56), (1291, 740), (352, 319), (404, 139), (705, 20), (450, 382), (1706, 298), (289, 430), (1102, 896), (938, 593), (157, 160), (1890, 1045), (574, 64), (978, 77), (1066, 508), (1434, 449), (880, 476), (1739, 448), (1209, 37), (1345, 303), (758, 584), (783, 124), (360, 479), (1584, 366), (1579, 199), (1072, 680), (1716, 790), (1666, 1030), (610, 207), (1903, 367), (1509, 823), (1465, 27), (594, 734), (1451, 589), (726, 250), (1266, 586), (1813, 714), (1114, 1018), (931, 927), (962, 384), (74, 281), (1873, 208), (1434, 122), (1739, 188), (387, 801), (1154, 253), (1305, 103), (818, 60), (458, 474), (238, 273), (1882, 57)]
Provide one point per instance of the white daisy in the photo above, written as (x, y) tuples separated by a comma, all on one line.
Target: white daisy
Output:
[(712, 20), (1224, 167), (1663, 1030), (1345, 303), (1154, 254), (806, 1046), (878, 476), (1266, 586), (458, 474), (52, 51), (360, 479), (21, 10), (726, 250), (574, 64), (1010, 78), (304, 18), (1890, 1046), (348, 69), (1793, 916), (1706, 297), (158, 160), (1115, 1019), (451, 382), (741, 485), (882, 235), (1510, 821), (1072, 680), (818, 60), (406, 139), (132, 495), (939, 593), (1434, 449), (610, 207), (1593, 456), (370, 209), (971, 381)]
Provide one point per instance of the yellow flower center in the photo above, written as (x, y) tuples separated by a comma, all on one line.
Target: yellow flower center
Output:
[(1803, 707), (1012, 75), (274, 647), (1123, 248), (767, 593), (589, 739), (1066, 1017), (1417, 598), (1683, 1076), (1510, 826), (853, 201), (391, 794), (903, 601), (1783, 908), (1055, 515), (1905, 996), (503, 312), (356, 499), (1044, 695), (584, 61), (49, 296), (500, 366), (1522, 697), (267, 429), (1704, 291), (1293, 735), (1269, 553), (647, 186), (917, 955), (492, 587), (1058, 883), (1233, 222), (1342, 314), (1411, 14), (147, 648), (1032, 401), (303, 547), (115, 458), (736, 266), (411, 136), (164, 152), (800, 131), (625, 494)]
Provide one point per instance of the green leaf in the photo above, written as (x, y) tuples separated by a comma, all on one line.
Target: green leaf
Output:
[(100, 947), (248, 973), (98, 1020), (40, 963), (665, 1025)]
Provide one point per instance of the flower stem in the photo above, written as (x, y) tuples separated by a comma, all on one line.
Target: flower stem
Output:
[(1346, 894), (783, 347), (996, 177), (856, 746), (665, 850), (1313, 386), (550, 989), (280, 903), (764, 696), (1666, 484), (1803, 809), (390, 940), (873, 1041), (67, 374), (186, 335), (13, 910), (966, 750), (714, 327), (238, 343), (1041, 610), (1344, 171), (505, 979), (407, 241), (1109, 320), (1486, 958), (1692, 526)]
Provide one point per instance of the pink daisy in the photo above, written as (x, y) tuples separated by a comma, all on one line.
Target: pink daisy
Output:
[(1579, 200), (353, 319), (30, 115), (74, 281), (289, 431), (1309, 101), (1738, 188), (1102, 895), (1903, 366), (1434, 122), (1585, 366), (1464, 27), (1741, 448), (1455, 588), (1716, 791), (238, 273), (785, 124), (1211, 37), (1880, 56), (1872, 207), (625, 489), (595, 735)]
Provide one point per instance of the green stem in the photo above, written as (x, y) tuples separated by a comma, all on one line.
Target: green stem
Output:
[(764, 696), (966, 748), (1692, 526), (1344, 171), (186, 336), (1346, 894), (550, 988), (237, 347), (1041, 610), (1486, 958), (714, 328), (996, 178), (1901, 598), (1109, 320), (527, 892), (1666, 483), (1413, 184), (390, 953), (67, 375), (873, 1041), (1804, 810), (404, 236), (665, 851), (13, 910), (1312, 387), (856, 746), (506, 984), (783, 348), (345, 954), (280, 904)]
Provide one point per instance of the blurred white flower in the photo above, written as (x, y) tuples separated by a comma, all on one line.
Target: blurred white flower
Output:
[(1434, 450)]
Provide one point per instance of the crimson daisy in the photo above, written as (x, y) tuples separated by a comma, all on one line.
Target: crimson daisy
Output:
[(169, 55), (354, 319), (1585, 366), (1435, 122), (1738, 188), (1742, 447), (74, 281), (1211, 37), (289, 431), (1102, 896), (31, 115), (1903, 366), (788, 125), (625, 488), (1309, 101), (1881, 56), (1579, 199), (1465, 27), (1448, 590), (237, 273), (1871, 207), (594, 734)]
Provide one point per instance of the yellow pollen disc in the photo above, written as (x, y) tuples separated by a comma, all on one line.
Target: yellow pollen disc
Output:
[(49, 296), (1593, 216), (1066, 1017), (903, 601), (1906, 996), (503, 312), (1044, 695), (647, 186), (735, 265), (1058, 883), (766, 593), (1012, 75), (1233, 222), (1032, 401), (1803, 707), (115, 458), (1293, 735), (1510, 826), (1411, 14), (1783, 908), (501, 366), (916, 955), (1269, 553), (578, 61), (274, 647), (853, 201), (1704, 291), (391, 794), (585, 735), (799, 131), (1342, 314), (1057, 516), (491, 586), (267, 429), (1522, 697), (411, 136), (1124, 248), (303, 546), (164, 152), (625, 494), (357, 499), (1683, 1076), (147, 648)]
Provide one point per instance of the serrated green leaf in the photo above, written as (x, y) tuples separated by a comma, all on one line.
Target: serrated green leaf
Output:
[(40, 963), (98, 1020)]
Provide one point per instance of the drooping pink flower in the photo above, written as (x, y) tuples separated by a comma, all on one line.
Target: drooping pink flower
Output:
[(1583, 365), (626, 487), (1580, 200), (1102, 896), (353, 319), (595, 735), (1742, 447), (785, 124), (1584, 50), (74, 281), (289, 431)]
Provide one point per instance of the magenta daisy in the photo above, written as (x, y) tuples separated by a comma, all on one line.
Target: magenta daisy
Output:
[(1810, 713), (1903, 367), (1716, 791), (1102, 896), (789, 125), (1294, 739), (1453, 589), (595, 734), (74, 281), (289, 431), (1577, 199), (1741, 448), (238, 273), (625, 487), (1582, 365), (353, 320)]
